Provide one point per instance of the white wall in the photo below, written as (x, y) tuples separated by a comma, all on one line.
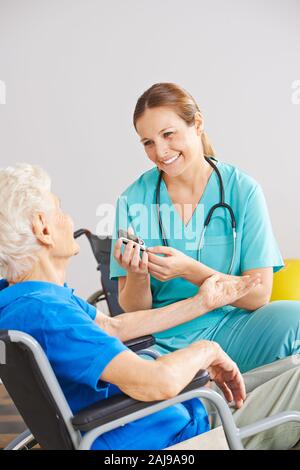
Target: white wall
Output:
[(73, 70)]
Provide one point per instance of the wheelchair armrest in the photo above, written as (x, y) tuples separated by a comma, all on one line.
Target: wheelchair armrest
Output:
[(143, 342), (118, 406)]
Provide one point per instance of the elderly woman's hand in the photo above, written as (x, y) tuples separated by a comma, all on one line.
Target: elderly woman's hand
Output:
[(219, 290), (225, 373)]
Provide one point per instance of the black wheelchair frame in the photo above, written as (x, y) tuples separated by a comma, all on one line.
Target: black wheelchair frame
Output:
[(101, 248)]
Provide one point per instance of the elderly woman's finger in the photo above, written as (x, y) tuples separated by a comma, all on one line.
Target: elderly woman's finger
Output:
[(248, 285), (226, 391), (237, 386)]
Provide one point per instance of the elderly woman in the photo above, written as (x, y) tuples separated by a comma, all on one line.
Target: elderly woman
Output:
[(84, 346)]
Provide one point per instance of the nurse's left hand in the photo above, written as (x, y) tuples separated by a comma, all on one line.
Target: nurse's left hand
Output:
[(173, 264)]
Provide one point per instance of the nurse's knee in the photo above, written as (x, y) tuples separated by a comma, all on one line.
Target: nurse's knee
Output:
[(282, 318), (285, 311)]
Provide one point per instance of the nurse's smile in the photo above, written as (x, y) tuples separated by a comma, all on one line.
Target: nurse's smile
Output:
[(171, 160)]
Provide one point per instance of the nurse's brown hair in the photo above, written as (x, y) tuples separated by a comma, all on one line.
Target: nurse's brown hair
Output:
[(175, 97)]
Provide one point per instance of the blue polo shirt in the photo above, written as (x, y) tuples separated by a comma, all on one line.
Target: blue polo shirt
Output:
[(79, 350)]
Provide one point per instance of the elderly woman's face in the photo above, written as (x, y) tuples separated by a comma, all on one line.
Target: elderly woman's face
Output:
[(62, 228)]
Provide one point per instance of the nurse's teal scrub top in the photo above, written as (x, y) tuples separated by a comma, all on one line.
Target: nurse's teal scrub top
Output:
[(256, 246)]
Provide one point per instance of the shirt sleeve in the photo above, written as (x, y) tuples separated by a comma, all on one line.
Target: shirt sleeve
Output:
[(121, 222), (88, 308), (79, 350), (259, 248)]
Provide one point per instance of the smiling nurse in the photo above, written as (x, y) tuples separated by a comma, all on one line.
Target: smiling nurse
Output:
[(188, 241)]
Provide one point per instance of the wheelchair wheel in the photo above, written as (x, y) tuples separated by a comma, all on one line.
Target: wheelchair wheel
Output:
[(97, 297)]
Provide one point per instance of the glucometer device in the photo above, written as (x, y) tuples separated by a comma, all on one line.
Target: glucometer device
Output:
[(127, 237)]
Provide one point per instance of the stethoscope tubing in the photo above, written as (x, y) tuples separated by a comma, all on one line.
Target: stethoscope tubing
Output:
[(222, 203)]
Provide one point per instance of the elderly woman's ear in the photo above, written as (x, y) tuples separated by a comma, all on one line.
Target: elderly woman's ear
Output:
[(41, 229)]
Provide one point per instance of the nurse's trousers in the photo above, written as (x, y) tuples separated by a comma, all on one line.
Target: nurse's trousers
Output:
[(251, 339), (271, 389)]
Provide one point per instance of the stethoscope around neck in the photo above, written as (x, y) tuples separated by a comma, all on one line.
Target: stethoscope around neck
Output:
[(222, 203)]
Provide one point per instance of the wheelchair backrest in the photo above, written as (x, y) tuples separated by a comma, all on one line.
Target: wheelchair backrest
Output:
[(101, 247), (30, 381)]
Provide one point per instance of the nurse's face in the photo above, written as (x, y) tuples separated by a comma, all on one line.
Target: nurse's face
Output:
[(168, 141), (61, 228)]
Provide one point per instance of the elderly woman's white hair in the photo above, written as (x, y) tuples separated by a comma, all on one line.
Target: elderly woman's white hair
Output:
[(22, 195)]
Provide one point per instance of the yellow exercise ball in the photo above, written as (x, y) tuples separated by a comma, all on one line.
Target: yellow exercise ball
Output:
[(286, 284)]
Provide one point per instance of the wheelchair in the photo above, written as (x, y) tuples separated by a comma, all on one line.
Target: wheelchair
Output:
[(30, 381)]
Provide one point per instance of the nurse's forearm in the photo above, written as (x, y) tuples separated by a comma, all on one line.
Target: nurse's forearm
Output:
[(255, 299), (197, 272), (136, 293)]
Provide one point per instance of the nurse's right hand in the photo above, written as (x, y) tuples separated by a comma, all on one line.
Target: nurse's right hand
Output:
[(130, 259)]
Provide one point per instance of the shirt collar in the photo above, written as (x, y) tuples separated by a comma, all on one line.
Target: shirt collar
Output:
[(10, 293)]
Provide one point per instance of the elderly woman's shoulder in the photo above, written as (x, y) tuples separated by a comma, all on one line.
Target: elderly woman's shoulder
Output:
[(40, 306)]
